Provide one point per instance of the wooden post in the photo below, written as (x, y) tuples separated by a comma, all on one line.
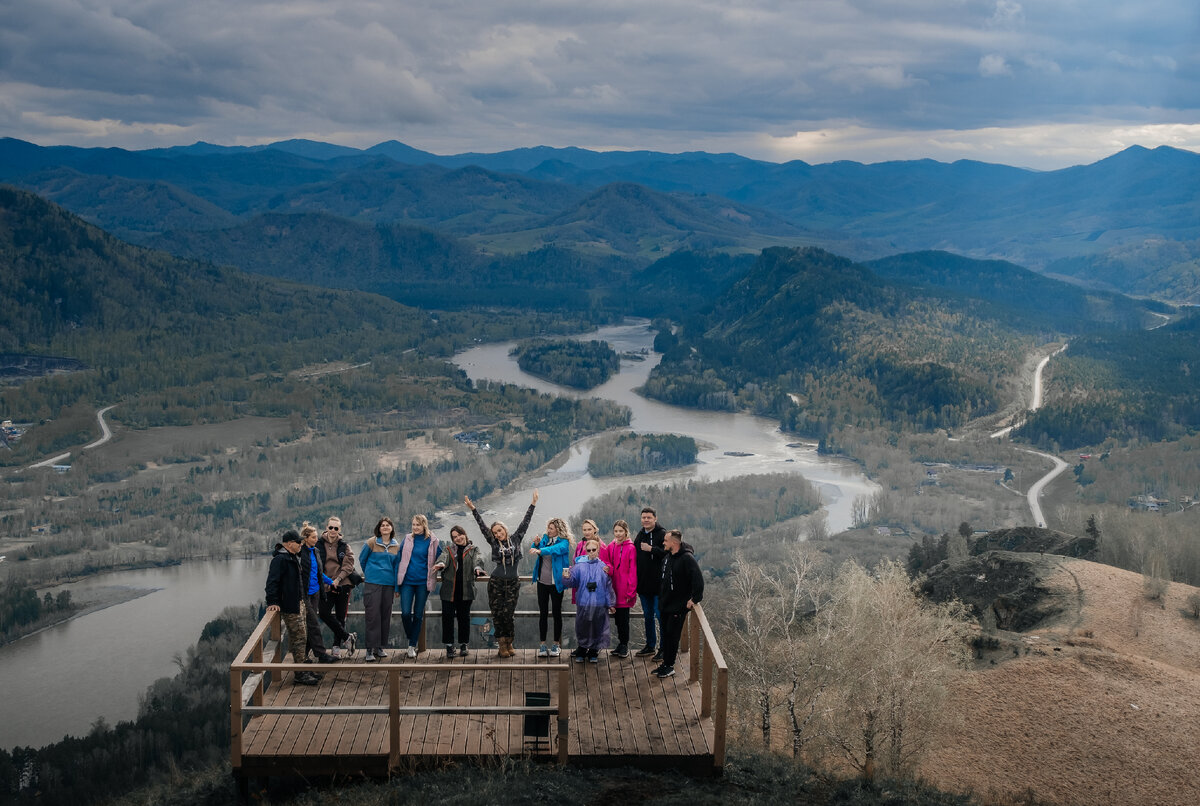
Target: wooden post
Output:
[(693, 632), (235, 720), (256, 655), (564, 713), (393, 718), (706, 683), (719, 719)]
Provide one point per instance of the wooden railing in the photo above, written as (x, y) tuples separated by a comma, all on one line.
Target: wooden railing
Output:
[(246, 693), (250, 674), (709, 669)]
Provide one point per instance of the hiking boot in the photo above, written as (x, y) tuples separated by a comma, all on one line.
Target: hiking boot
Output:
[(622, 651), (306, 679), (645, 651), (543, 652), (664, 672), (450, 651)]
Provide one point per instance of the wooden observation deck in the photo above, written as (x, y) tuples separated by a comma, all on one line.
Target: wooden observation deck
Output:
[(378, 718)]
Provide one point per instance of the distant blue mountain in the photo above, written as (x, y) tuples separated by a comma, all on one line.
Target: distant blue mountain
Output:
[(1077, 218)]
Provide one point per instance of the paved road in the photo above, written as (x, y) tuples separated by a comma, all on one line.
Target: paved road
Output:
[(1035, 402), (105, 436), (1035, 492)]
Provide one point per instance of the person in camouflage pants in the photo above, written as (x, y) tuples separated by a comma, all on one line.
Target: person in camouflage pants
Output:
[(502, 597), (283, 597)]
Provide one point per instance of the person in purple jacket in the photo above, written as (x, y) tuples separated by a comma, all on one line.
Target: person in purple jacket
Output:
[(596, 602)]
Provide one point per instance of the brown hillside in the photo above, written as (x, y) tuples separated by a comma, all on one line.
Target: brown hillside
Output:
[(1102, 706)]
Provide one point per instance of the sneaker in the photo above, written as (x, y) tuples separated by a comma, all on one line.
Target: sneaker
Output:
[(543, 652), (306, 679), (593, 656), (326, 658), (555, 650), (580, 658), (411, 653), (648, 649), (379, 653), (656, 669), (622, 651), (658, 656), (579, 652), (462, 650), (370, 658), (664, 672), (450, 651)]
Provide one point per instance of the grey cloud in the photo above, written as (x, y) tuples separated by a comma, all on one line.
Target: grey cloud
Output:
[(520, 73)]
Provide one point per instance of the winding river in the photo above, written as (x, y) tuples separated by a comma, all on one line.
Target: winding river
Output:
[(565, 489), (60, 680)]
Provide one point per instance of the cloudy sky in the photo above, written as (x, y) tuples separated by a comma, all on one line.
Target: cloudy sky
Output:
[(1039, 83)]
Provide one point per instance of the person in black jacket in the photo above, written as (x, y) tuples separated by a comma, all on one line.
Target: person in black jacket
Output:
[(285, 596), (682, 589), (650, 553)]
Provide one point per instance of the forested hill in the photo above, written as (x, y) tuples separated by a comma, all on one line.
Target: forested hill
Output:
[(1027, 299), (818, 340), (180, 342)]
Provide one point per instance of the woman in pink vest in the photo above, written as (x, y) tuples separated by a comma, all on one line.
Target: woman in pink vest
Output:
[(621, 557)]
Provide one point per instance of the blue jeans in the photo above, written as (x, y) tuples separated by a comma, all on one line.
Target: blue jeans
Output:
[(412, 610), (650, 614)]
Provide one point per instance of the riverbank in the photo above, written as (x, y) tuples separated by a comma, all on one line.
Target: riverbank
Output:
[(105, 598)]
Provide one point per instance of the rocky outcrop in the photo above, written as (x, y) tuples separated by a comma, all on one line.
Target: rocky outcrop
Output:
[(1033, 539), (1007, 584)]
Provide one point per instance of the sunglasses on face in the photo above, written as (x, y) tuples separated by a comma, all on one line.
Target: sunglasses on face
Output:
[(334, 528)]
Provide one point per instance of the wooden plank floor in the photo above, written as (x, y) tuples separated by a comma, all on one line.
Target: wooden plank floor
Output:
[(619, 715)]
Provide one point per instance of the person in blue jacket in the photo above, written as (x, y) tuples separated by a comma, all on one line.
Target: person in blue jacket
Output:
[(416, 578), (552, 550), (379, 561), (313, 582)]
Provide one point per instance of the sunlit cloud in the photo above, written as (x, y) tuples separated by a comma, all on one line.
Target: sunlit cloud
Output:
[(1045, 146)]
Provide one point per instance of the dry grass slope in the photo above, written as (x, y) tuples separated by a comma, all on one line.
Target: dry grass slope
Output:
[(1101, 707)]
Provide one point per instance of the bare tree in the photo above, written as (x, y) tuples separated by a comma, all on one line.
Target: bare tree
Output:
[(891, 654)]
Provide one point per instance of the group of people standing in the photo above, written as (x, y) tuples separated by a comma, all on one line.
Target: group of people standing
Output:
[(312, 576)]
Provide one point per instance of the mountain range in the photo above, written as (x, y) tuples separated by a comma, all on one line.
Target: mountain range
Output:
[(1109, 224)]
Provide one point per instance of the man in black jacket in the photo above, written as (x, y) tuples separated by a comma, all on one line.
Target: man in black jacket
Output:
[(284, 596), (682, 589), (650, 553)]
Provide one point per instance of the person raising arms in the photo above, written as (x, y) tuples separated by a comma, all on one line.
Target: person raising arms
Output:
[(504, 587)]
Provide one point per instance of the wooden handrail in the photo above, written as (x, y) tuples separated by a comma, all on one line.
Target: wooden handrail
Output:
[(714, 694), (707, 667), (244, 692)]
